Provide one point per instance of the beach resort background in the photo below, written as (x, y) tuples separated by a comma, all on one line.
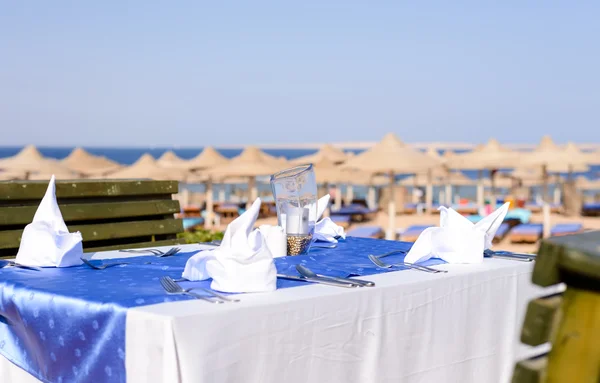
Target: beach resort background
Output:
[(174, 163)]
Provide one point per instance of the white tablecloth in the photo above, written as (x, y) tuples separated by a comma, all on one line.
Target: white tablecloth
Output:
[(413, 327)]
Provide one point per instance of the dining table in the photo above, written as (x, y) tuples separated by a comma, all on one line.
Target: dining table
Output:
[(118, 324)]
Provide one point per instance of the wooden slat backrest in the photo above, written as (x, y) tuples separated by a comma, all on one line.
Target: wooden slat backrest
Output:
[(569, 321), (108, 213)]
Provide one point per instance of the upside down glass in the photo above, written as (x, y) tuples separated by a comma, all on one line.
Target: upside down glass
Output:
[(295, 194)]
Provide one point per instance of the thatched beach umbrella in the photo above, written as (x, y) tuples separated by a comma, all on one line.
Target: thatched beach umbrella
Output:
[(391, 156), (171, 160), (33, 165), (252, 162), (146, 167), (86, 163), (549, 157), (208, 158), (326, 152), (491, 156)]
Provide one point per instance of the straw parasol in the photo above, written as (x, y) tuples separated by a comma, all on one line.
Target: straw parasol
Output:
[(391, 156), (146, 167), (32, 164), (327, 151), (86, 163), (252, 162), (553, 159), (170, 160), (577, 160), (208, 158), (492, 155)]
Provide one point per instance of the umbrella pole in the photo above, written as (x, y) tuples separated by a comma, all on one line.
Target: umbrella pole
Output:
[(545, 205), (480, 201), (493, 197), (391, 232), (326, 211), (253, 192), (429, 192), (371, 197), (349, 194), (448, 194), (208, 221), (338, 197)]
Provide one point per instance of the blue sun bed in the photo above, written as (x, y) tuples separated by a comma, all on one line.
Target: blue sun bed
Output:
[(366, 232)]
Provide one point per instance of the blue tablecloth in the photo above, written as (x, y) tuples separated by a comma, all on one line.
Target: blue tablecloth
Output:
[(68, 324)]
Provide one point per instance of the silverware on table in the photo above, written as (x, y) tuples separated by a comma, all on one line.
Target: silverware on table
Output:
[(317, 280), (172, 287), (379, 263), (215, 294), (323, 245), (308, 273), (509, 256), (102, 266), (5, 263), (157, 252)]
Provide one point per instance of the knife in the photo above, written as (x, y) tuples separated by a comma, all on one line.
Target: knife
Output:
[(317, 280)]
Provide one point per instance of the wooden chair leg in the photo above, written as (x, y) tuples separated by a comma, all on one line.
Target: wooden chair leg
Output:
[(575, 355)]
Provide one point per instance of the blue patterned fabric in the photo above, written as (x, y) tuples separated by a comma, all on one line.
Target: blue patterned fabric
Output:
[(68, 324)]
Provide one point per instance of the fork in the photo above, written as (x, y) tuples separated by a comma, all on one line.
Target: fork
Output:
[(157, 252), (172, 287), (209, 291), (380, 263), (406, 264), (102, 266)]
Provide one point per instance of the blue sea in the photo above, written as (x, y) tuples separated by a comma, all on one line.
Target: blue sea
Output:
[(127, 156)]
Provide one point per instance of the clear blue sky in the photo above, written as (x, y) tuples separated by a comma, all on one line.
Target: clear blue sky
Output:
[(192, 73)]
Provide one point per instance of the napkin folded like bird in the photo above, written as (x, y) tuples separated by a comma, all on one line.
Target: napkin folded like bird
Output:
[(457, 240), (241, 264), (46, 241), (325, 229)]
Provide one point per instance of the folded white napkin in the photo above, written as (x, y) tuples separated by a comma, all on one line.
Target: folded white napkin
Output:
[(275, 239), (457, 240), (242, 264), (325, 229), (46, 241)]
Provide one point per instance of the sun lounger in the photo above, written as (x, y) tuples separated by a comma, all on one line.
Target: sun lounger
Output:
[(466, 209), (357, 213), (191, 223), (536, 207), (367, 232), (502, 231), (591, 209), (528, 233), (566, 229), (412, 233), (409, 208), (341, 220)]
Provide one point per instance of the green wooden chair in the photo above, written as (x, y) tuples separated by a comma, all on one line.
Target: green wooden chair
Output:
[(569, 321), (110, 214)]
